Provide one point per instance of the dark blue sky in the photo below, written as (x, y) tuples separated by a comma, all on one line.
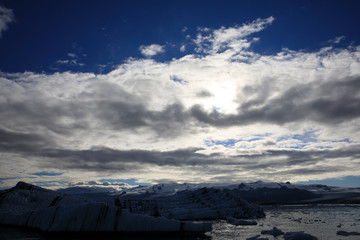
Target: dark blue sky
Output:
[(107, 33)]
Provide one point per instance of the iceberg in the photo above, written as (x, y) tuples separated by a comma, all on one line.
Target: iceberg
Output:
[(31, 206), (207, 204), (238, 222)]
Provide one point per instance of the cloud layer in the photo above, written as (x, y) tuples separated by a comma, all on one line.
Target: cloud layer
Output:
[(6, 17), (223, 113)]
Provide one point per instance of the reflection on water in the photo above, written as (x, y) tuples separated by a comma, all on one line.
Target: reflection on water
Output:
[(320, 221), (16, 233)]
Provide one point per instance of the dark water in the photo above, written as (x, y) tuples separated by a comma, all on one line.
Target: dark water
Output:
[(321, 221), (17, 233)]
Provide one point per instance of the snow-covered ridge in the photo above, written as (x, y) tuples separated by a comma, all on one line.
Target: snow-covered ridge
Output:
[(256, 192), (172, 188), (96, 187)]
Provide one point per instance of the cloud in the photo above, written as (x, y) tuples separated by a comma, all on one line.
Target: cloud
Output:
[(22, 142), (6, 17), (330, 102), (72, 62), (220, 113), (151, 50), (234, 37), (336, 40), (72, 55), (182, 48)]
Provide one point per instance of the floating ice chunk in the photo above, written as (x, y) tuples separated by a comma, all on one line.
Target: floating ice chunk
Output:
[(298, 236), (345, 233), (238, 222), (257, 237), (275, 232)]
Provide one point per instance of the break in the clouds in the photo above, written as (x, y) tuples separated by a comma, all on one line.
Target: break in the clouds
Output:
[(6, 17), (151, 50), (223, 113)]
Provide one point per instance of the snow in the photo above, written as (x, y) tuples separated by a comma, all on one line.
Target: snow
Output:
[(96, 187)]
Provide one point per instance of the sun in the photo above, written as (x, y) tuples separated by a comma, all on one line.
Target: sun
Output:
[(222, 99)]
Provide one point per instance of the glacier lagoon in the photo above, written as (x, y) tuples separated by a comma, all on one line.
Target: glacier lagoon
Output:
[(321, 221)]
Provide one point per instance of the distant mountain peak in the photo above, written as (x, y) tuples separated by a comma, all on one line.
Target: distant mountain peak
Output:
[(28, 186)]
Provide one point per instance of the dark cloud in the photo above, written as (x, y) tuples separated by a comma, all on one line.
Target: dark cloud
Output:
[(24, 143), (204, 94), (106, 159), (312, 170), (110, 159), (170, 122), (326, 102), (35, 112)]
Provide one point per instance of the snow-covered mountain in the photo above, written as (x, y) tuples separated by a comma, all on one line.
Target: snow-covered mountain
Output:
[(256, 192), (96, 187), (269, 192)]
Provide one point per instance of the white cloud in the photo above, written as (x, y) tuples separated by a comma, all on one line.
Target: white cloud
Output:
[(72, 55), (235, 116), (151, 50), (182, 48), (336, 40), (233, 37), (6, 17), (63, 61), (70, 62)]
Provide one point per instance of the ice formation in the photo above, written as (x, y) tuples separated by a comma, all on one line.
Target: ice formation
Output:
[(257, 237), (241, 222), (345, 233), (275, 232), (298, 236), (49, 211)]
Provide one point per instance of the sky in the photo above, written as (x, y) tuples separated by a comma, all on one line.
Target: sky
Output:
[(145, 92)]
